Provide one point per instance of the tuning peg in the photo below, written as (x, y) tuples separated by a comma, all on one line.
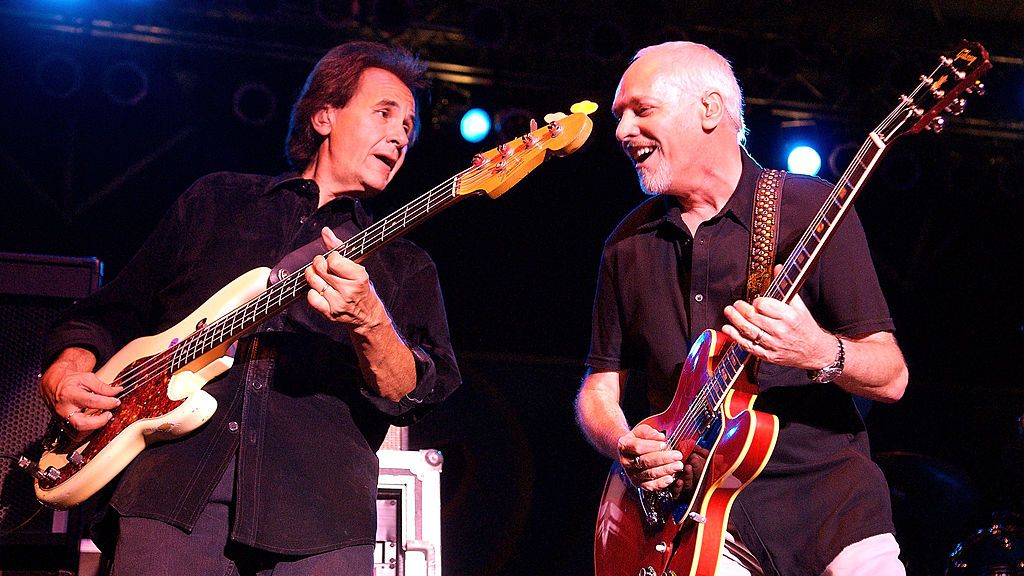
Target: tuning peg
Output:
[(956, 107), (979, 89), (937, 124)]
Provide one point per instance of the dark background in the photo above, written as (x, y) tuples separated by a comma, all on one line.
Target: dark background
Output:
[(110, 109)]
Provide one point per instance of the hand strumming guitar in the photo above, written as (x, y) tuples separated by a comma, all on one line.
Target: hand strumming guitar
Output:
[(74, 393)]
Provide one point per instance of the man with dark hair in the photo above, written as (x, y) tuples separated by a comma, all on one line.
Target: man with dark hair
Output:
[(282, 479)]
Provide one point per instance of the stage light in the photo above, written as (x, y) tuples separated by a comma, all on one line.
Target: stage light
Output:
[(475, 125), (254, 103), (804, 160)]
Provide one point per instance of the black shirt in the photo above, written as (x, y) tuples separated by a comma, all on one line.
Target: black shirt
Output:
[(294, 406), (659, 288)]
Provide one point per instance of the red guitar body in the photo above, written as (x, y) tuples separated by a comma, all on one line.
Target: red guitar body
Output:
[(641, 533)]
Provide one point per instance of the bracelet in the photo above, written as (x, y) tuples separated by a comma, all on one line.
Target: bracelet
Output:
[(829, 373)]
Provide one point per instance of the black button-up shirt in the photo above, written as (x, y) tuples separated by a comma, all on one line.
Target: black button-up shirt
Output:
[(294, 407), (659, 288)]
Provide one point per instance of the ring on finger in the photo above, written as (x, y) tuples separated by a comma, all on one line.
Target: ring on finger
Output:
[(757, 339)]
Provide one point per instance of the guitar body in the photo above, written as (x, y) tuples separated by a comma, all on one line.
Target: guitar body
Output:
[(163, 405), (651, 534)]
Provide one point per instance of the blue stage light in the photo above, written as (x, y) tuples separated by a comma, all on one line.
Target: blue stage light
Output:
[(475, 125), (804, 160)]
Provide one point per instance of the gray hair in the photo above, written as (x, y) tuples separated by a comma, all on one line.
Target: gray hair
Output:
[(698, 69)]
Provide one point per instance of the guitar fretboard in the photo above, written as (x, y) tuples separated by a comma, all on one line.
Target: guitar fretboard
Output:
[(734, 359), (279, 296)]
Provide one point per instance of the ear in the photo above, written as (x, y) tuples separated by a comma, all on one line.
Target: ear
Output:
[(323, 120), (712, 111)]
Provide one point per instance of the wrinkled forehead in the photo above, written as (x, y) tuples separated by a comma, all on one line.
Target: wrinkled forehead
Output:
[(648, 77), (381, 85)]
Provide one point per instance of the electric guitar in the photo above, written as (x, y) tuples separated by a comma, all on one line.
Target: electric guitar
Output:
[(163, 375), (710, 418)]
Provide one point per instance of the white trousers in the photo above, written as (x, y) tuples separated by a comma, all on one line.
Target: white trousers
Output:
[(873, 556)]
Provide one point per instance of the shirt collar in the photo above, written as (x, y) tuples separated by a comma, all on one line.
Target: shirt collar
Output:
[(294, 182), (739, 207)]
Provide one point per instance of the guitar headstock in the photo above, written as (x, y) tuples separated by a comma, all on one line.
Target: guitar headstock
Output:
[(495, 171), (941, 94)]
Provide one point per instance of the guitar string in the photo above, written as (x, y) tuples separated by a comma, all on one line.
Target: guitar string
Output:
[(723, 373), (719, 382), (158, 363), (690, 425), (198, 340)]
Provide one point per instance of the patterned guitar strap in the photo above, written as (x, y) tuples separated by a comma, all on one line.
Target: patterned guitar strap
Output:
[(764, 232)]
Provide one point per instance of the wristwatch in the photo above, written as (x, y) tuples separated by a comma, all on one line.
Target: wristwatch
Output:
[(832, 371)]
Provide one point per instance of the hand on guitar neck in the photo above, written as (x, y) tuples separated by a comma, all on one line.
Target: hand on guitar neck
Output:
[(780, 333), (76, 395), (342, 292)]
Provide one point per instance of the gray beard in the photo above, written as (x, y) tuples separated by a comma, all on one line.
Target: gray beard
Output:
[(654, 182)]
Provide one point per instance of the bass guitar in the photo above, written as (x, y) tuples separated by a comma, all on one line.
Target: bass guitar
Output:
[(710, 418), (163, 375)]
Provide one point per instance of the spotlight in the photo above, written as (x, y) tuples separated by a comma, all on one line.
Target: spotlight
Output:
[(804, 160), (254, 103), (125, 83), (475, 125)]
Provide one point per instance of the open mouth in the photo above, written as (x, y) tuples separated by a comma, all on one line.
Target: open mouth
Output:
[(387, 160), (638, 154)]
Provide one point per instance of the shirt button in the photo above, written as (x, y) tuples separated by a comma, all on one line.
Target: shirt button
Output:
[(257, 384), (233, 426), (302, 219), (699, 297)]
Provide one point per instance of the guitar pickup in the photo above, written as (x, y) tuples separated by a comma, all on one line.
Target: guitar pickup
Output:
[(76, 458)]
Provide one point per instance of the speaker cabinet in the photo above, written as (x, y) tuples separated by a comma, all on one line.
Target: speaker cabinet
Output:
[(34, 291), (408, 513)]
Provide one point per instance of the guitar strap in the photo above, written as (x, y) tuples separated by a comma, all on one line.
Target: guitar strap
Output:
[(764, 232), (764, 237)]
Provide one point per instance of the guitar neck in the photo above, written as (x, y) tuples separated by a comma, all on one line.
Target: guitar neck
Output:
[(279, 296), (803, 257)]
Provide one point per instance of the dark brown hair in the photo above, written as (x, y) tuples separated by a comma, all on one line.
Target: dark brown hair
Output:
[(335, 79)]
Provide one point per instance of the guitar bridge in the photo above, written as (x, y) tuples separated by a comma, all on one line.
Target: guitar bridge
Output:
[(656, 506)]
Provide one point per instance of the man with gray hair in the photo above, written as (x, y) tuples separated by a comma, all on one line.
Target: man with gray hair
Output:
[(677, 265)]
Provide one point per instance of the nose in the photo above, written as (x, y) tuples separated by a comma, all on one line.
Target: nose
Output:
[(398, 137), (626, 127)]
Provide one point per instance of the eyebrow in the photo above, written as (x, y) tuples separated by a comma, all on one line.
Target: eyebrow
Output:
[(411, 117)]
